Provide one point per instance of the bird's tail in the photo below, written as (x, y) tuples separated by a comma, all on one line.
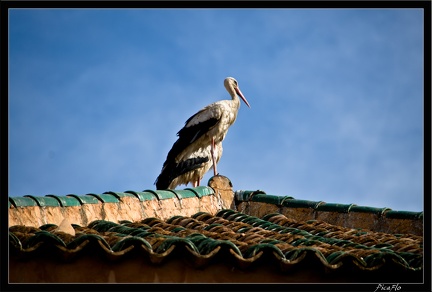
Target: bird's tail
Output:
[(163, 181), (172, 170)]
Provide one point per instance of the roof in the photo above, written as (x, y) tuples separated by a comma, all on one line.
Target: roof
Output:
[(248, 229), (241, 237), (164, 204)]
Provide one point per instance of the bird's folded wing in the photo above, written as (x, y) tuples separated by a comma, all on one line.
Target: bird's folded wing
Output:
[(196, 126)]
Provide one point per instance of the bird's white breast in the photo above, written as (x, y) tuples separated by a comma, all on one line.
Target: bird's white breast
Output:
[(225, 111), (228, 114)]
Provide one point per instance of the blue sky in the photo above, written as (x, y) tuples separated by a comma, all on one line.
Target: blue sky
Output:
[(96, 97)]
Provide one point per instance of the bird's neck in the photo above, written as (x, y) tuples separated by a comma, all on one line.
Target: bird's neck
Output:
[(235, 99)]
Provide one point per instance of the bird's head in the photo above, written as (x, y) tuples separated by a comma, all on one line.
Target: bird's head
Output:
[(232, 86)]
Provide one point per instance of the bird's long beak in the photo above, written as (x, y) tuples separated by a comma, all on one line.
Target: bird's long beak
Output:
[(242, 96)]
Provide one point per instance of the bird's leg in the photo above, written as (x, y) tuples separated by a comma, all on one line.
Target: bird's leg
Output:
[(212, 149), (195, 183)]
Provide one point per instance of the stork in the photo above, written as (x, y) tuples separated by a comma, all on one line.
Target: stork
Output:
[(199, 144)]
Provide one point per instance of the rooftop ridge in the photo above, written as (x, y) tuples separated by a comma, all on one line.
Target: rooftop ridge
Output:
[(290, 202), (117, 206), (258, 203), (69, 200), (52, 200), (137, 205)]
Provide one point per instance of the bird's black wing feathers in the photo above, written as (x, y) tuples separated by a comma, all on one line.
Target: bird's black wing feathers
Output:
[(170, 172), (188, 135)]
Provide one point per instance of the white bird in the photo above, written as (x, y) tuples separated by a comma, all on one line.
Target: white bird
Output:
[(199, 144)]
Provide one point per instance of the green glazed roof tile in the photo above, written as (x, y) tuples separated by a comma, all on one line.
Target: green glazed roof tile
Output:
[(86, 199), (102, 225), (245, 196), (263, 198), (66, 201), (143, 196), (242, 196), (171, 219), (43, 237), (403, 214), (157, 194), (226, 212), (201, 215), (88, 240), (262, 247), (23, 201), (336, 257), (270, 215), (286, 198), (176, 194), (46, 226), (125, 230), (95, 196), (209, 227), (45, 201), (120, 195), (183, 194), (131, 241), (202, 191), (378, 211), (105, 198), (236, 216), (331, 207), (302, 204), (110, 198), (163, 195)]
